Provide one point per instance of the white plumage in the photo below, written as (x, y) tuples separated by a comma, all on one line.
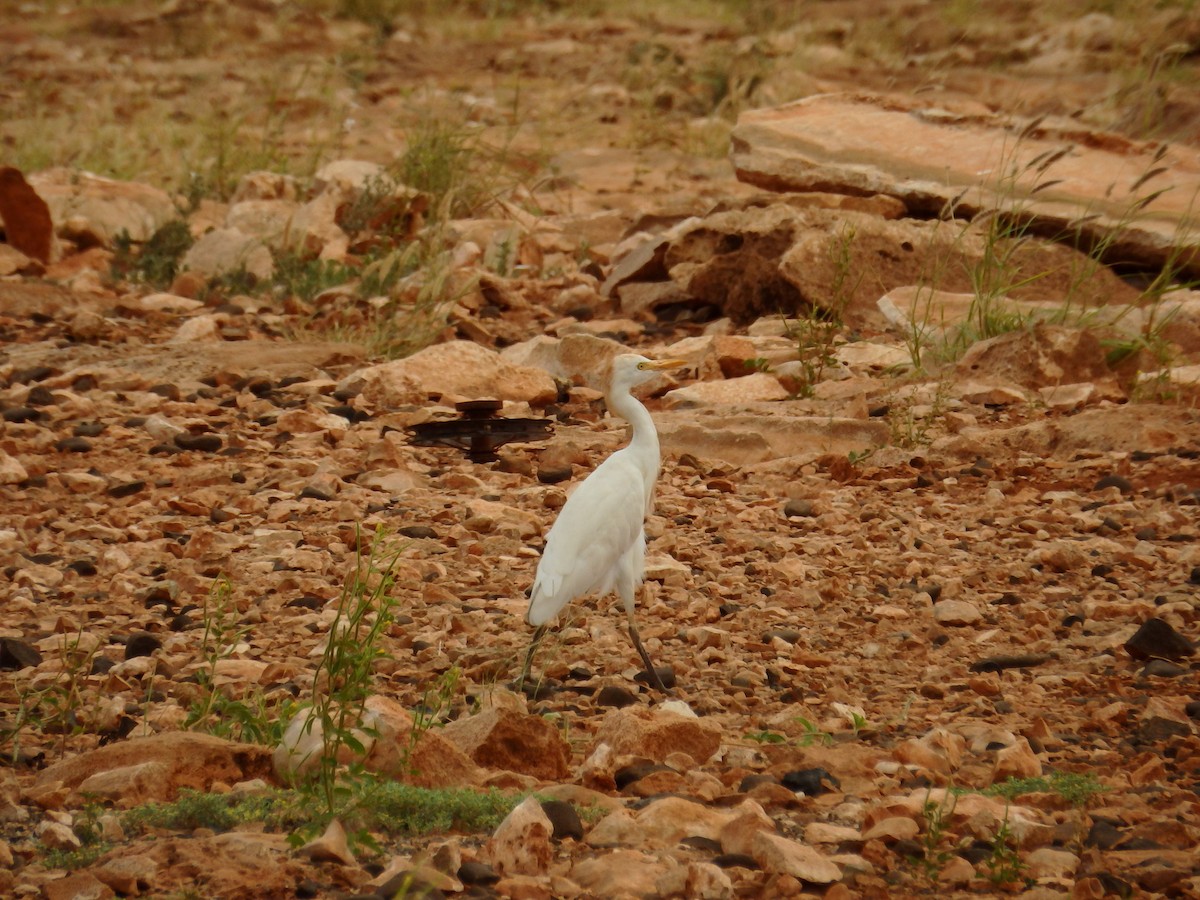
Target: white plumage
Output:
[(598, 542)]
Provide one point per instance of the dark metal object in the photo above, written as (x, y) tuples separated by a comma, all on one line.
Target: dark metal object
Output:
[(479, 433)]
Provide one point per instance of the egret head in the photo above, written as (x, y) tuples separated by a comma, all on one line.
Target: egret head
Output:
[(630, 369)]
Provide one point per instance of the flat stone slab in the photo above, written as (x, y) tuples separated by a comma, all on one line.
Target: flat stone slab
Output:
[(1138, 200)]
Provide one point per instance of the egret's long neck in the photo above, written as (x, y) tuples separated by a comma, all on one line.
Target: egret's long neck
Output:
[(644, 437)]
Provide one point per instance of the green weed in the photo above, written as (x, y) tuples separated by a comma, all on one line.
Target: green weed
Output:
[(934, 840), (344, 677), (252, 720), (812, 734), (156, 262), (1003, 863), (1076, 789), (766, 737)]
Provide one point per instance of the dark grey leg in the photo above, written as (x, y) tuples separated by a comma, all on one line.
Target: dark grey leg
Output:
[(650, 670)]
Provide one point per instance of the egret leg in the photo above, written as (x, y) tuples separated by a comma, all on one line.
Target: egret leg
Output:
[(537, 637), (650, 670)]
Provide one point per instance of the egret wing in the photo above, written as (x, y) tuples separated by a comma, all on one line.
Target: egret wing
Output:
[(591, 538)]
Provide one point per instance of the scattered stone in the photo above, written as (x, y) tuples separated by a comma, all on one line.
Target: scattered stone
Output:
[(521, 844), (505, 739), (1156, 638), (25, 216), (332, 845), (564, 818), (18, 654), (655, 734)]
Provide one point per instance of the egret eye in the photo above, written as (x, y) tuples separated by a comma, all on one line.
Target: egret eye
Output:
[(641, 365)]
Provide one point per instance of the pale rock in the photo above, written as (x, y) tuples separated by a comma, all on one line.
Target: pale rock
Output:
[(667, 821), (956, 872), (193, 760), (314, 230), (892, 828), (303, 743), (393, 482), (225, 250), (57, 836), (830, 833), (133, 785), (787, 857), (332, 846), (173, 303), (127, 875), (695, 881), (956, 612), (348, 176), (264, 185), (521, 843), (459, 369), (1067, 397), (77, 886), (1048, 862), (738, 834), (758, 387), (653, 734), (11, 470), (200, 328), (161, 428), (95, 210), (1017, 760), (619, 827), (621, 873), (861, 357), (744, 438), (940, 751), (268, 221), (583, 357), (988, 392), (833, 139)]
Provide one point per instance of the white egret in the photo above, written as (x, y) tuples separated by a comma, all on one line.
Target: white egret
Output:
[(598, 542)]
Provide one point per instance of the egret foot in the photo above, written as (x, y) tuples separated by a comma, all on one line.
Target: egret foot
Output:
[(651, 671), (666, 677)]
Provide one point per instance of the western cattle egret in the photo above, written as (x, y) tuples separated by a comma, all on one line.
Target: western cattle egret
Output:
[(598, 542)]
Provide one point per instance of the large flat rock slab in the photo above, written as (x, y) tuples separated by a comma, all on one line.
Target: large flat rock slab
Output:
[(1136, 200)]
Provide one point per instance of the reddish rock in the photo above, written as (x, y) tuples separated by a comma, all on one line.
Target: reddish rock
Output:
[(25, 216), (191, 760), (505, 739), (654, 734)]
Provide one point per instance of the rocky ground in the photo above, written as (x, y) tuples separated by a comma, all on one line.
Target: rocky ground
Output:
[(927, 519)]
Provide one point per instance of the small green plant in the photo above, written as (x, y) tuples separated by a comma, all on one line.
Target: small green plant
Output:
[(1003, 863), (344, 676), (757, 364), (766, 737), (55, 708), (812, 734), (214, 711), (156, 262), (1077, 789), (935, 851), (435, 705)]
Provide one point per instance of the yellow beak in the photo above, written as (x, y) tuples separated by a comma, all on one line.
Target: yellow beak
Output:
[(662, 364)]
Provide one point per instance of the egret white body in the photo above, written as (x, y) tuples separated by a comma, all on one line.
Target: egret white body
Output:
[(598, 542)]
